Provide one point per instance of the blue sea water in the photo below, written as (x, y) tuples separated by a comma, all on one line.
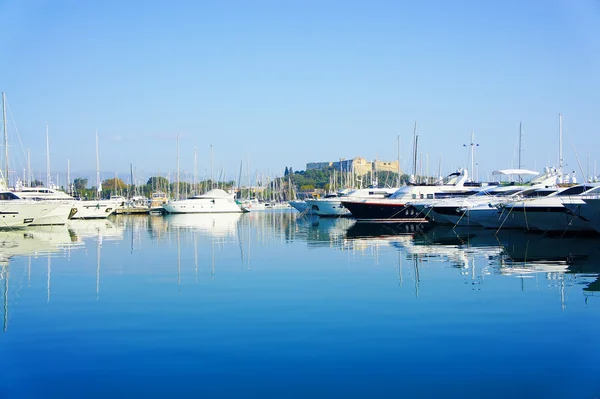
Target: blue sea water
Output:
[(273, 305)]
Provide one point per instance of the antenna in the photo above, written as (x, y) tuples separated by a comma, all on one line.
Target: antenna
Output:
[(472, 152)]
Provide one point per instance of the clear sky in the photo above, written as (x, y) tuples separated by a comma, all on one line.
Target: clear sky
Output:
[(283, 83)]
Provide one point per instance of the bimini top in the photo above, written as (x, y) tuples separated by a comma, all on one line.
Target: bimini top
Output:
[(508, 172), (214, 193)]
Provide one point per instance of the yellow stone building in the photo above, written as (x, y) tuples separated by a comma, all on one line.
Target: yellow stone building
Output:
[(360, 165)]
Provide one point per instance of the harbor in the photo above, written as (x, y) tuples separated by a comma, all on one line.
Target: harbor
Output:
[(283, 199), (272, 292)]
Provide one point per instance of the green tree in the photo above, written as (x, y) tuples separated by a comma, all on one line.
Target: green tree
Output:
[(158, 183), (80, 183), (111, 184)]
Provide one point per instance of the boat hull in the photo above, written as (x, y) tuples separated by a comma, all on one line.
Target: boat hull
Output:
[(383, 211), (100, 209)]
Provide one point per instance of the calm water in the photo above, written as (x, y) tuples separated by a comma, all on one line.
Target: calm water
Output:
[(268, 305)]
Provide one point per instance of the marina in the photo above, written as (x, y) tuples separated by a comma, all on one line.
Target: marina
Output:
[(300, 200), (183, 304)]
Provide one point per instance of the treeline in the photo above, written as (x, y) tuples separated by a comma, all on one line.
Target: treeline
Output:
[(330, 179), (278, 188), (116, 186)]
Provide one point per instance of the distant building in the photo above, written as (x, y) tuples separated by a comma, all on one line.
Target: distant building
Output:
[(318, 165), (359, 164)]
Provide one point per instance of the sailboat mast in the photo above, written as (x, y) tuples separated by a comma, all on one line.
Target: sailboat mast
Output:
[(5, 138), (415, 144), (560, 132), (212, 180), (473, 153), (98, 187), (195, 170), (520, 140), (69, 176), (398, 180), (131, 179), (177, 185), (29, 174), (47, 158)]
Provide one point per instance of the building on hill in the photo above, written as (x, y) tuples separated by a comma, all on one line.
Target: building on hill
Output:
[(359, 164)]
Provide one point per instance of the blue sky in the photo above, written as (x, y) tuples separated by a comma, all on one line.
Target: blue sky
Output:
[(283, 83)]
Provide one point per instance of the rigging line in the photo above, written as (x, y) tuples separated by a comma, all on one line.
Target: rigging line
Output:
[(505, 218), (16, 130)]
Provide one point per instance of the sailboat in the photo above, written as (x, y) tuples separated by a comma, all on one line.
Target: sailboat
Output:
[(16, 212), (97, 208), (50, 194)]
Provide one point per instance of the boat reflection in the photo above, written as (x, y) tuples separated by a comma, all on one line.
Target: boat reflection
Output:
[(31, 242), (323, 232), (215, 225), (91, 228)]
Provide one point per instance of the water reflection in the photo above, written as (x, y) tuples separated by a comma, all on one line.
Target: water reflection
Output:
[(193, 244)]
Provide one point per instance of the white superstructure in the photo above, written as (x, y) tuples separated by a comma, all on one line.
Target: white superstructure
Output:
[(213, 201), (65, 203)]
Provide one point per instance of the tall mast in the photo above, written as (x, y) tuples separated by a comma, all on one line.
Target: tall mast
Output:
[(560, 154), (5, 138), (415, 145), (131, 179), (212, 181), (195, 171), (177, 185), (47, 158), (29, 174), (98, 184), (398, 180), (473, 153), (68, 176), (520, 139)]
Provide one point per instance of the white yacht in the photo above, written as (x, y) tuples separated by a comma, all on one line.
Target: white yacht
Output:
[(95, 209), (491, 215), (395, 207), (332, 205), (459, 211), (65, 203), (16, 212), (589, 211), (549, 213), (213, 201), (254, 205)]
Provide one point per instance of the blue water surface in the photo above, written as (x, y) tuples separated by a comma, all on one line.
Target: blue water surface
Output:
[(273, 305)]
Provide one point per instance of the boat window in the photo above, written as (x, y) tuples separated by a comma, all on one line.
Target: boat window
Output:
[(8, 196), (414, 196), (429, 196), (594, 190), (575, 190)]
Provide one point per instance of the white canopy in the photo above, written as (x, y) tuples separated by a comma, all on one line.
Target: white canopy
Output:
[(507, 172)]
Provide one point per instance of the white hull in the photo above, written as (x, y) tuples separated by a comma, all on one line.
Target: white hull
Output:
[(58, 216), (99, 209), (327, 207), (254, 206), (300, 206), (203, 205), (19, 214)]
